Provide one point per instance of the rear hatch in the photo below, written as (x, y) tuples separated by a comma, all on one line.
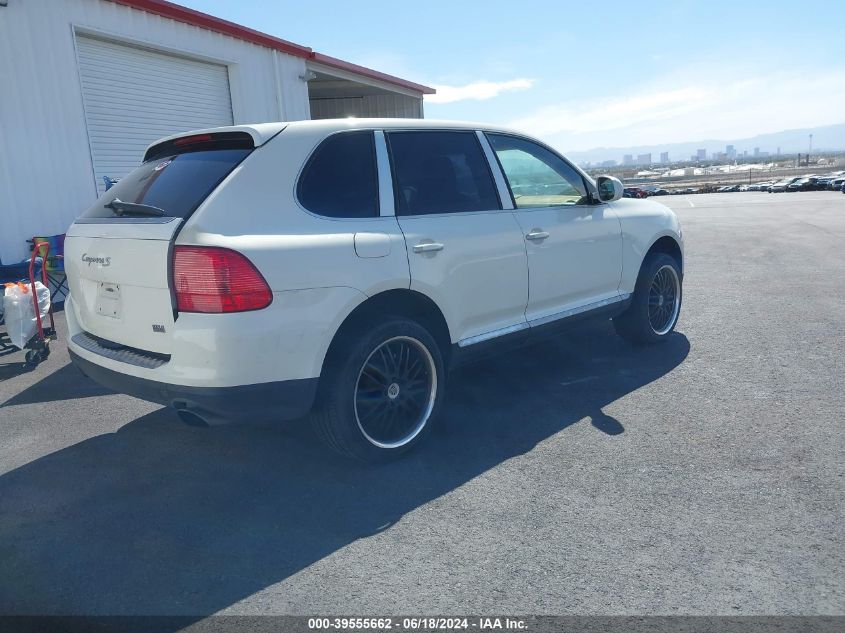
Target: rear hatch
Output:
[(117, 254)]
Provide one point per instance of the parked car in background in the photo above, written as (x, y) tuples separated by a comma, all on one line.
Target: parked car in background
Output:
[(836, 184), (635, 192), (782, 185), (804, 184), (338, 268), (659, 192)]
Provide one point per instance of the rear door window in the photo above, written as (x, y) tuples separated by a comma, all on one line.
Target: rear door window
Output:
[(340, 179), (440, 172), (177, 183)]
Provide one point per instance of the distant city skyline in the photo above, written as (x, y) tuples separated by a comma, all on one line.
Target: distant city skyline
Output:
[(730, 153), (757, 147)]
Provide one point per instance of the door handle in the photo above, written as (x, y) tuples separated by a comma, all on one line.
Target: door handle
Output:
[(536, 235), (428, 247)]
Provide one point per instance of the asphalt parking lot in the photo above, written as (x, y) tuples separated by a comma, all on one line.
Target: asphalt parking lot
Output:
[(581, 476)]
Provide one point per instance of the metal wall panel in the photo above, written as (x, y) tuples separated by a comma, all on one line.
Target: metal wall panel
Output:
[(46, 172), (387, 106)]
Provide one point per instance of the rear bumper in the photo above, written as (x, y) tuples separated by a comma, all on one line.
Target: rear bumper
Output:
[(284, 400)]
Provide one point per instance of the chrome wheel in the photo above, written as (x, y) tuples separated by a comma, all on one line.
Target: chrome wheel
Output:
[(664, 300), (395, 392)]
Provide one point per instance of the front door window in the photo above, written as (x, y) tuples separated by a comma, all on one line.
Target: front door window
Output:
[(536, 176)]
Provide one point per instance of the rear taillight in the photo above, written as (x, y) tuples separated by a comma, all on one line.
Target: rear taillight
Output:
[(211, 279)]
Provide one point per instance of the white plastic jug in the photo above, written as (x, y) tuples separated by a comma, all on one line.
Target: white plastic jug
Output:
[(19, 311)]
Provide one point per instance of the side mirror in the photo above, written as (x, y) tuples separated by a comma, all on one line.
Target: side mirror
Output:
[(610, 188)]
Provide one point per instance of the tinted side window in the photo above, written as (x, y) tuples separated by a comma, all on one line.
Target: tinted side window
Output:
[(340, 179), (440, 172), (536, 176)]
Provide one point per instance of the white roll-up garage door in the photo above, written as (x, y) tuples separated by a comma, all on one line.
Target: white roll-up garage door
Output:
[(134, 96)]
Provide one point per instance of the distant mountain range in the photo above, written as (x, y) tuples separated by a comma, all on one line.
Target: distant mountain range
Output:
[(825, 138)]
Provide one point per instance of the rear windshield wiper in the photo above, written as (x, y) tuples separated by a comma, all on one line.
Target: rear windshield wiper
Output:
[(120, 207)]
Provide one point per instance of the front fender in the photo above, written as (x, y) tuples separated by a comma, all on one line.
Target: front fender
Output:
[(643, 222)]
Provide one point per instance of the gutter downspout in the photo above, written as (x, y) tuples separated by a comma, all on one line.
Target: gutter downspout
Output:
[(280, 102)]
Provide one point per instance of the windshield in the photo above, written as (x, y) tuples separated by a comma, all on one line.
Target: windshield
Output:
[(176, 184)]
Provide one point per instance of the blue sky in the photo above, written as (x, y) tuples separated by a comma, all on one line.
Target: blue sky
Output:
[(589, 74)]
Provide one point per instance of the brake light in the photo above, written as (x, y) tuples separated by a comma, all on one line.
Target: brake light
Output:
[(191, 140), (214, 280)]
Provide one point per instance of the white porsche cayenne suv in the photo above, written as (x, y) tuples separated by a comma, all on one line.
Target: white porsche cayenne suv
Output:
[(338, 268)]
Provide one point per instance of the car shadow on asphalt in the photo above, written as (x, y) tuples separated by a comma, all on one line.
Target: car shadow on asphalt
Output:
[(164, 518), (66, 383)]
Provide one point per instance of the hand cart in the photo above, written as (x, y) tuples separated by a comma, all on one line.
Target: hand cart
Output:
[(38, 347)]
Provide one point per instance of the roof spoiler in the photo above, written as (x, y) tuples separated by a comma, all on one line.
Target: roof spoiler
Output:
[(232, 137)]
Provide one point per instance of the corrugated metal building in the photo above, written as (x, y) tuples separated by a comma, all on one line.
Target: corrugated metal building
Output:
[(88, 84)]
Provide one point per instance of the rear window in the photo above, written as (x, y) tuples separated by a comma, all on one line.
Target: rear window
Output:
[(177, 183)]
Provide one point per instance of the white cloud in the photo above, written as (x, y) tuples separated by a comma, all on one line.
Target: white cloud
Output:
[(477, 90), (592, 116), (735, 106)]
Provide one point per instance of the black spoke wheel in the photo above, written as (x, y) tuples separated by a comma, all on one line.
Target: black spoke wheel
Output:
[(380, 390), (663, 300), (655, 303), (395, 392)]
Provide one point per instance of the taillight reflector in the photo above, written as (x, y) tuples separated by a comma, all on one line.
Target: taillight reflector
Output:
[(214, 280)]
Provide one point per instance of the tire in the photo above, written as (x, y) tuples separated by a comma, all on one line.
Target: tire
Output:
[(31, 360), (656, 303), (380, 391)]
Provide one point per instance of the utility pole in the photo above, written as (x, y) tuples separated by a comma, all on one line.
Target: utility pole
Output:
[(809, 150)]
